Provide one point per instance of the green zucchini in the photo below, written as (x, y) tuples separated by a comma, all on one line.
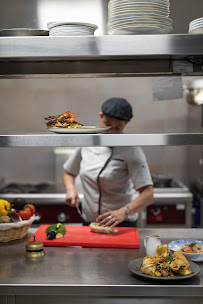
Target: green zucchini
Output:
[(59, 228), (61, 231)]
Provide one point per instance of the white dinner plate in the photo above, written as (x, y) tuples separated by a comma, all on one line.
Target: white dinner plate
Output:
[(83, 129), (146, 14), (132, 1), (137, 30), (163, 22), (137, 4)]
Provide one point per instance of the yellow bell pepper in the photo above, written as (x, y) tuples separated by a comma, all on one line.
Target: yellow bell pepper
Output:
[(5, 207)]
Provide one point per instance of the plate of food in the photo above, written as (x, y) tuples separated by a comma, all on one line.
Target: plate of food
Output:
[(190, 248), (83, 129), (164, 266), (65, 123)]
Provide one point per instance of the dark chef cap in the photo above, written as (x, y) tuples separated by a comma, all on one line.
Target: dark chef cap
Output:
[(118, 108)]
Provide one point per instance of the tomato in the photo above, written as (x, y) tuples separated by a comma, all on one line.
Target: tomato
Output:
[(25, 214), (189, 250), (31, 207)]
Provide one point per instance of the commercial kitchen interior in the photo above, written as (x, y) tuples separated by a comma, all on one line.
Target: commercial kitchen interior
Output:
[(25, 102)]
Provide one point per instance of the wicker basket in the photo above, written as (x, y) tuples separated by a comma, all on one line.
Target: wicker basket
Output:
[(15, 231)]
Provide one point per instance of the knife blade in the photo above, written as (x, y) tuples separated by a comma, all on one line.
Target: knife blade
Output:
[(78, 210)]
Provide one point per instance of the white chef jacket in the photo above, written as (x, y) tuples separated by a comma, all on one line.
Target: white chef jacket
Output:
[(109, 176)]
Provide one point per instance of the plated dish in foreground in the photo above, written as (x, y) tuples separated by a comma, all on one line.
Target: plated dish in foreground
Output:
[(134, 267), (191, 249), (164, 266)]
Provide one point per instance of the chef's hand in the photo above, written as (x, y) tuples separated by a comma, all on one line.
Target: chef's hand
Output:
[(112, 218), (72, 198)]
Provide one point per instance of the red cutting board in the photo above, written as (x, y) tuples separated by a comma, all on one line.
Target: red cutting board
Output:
[(127, 237)]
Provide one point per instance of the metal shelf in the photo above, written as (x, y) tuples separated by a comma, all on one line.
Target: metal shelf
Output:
[(106, 56), (108, 140)]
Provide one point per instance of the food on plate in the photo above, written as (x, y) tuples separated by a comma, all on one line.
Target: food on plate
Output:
[(162, 250), (192, 248), (95, 227), (5, 207), (180, 264), (55, 231), (65, 120), (165, 265)]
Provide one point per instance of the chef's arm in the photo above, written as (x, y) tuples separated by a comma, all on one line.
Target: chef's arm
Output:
[(144, 199), (72, 197), (115, 217)]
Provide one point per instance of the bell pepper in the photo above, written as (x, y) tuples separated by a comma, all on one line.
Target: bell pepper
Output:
[(5, 207)]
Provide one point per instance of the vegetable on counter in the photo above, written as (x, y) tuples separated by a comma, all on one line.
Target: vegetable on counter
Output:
[(31, 208), (5, 207), (25, 213), (55, 231)]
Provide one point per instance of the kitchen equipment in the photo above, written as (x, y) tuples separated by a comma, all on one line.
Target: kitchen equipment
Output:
[(194, 92), (127, 237), (172, 206), (151, 242), (34, 249)]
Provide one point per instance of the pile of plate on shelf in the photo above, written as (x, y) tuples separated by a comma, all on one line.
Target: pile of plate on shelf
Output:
[(134, 17), (58, 28), (196, 26)]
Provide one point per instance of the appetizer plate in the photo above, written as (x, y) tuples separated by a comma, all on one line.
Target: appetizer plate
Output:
[(134, 266), (83, 129), (177, 245)]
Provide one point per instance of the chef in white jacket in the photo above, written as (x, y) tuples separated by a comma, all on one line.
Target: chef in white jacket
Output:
[(116, 181)]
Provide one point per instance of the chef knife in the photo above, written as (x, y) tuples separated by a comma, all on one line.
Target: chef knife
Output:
[(78, 210)]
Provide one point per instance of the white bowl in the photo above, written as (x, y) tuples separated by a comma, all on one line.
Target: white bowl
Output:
[(177, 245)]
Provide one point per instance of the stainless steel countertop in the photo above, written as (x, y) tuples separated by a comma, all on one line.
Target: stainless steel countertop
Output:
[(89, 271)]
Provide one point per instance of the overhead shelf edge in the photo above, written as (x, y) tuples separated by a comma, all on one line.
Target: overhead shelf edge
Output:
[(108, 140)]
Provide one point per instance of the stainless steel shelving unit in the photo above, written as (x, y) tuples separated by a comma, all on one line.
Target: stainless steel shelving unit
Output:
[(101, 56), (110, 140)]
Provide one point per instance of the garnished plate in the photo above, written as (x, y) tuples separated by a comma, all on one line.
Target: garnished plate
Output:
[(134, 267)]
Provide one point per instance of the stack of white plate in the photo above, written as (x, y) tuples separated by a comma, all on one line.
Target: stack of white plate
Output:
[(132, 17), (58, 28), (196, 26)]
